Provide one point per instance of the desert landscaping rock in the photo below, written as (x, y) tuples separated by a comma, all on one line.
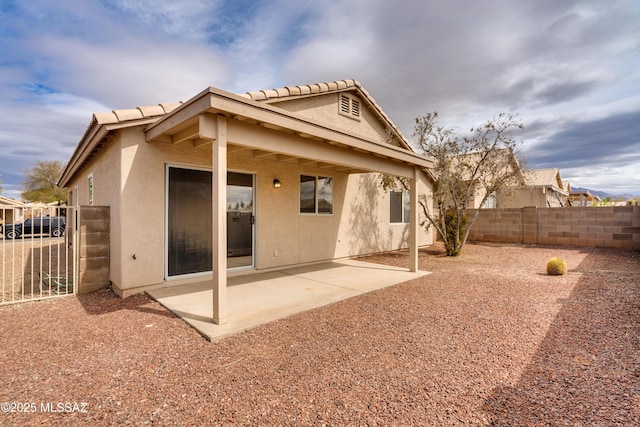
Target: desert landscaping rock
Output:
[(487, 339)]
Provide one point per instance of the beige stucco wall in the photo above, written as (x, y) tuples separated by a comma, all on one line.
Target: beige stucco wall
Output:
[(532, 196), (106, 171), (129, 176), (364, 224)]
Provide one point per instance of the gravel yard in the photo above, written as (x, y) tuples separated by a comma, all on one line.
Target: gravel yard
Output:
[(488, 338)]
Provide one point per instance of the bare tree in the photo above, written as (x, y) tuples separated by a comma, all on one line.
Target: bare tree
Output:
[(40, 183), (466, 168)]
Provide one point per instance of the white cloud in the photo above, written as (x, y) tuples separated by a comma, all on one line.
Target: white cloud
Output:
[(599, 178), (187, 19), (129, 72)]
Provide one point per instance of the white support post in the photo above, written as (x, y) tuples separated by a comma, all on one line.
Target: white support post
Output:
[(219, 221), (413, 223)]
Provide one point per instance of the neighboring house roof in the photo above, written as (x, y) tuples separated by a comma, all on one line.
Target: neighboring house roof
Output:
[(584, 195), (7, 201), (256, 107), (549, 178), (502, 156)]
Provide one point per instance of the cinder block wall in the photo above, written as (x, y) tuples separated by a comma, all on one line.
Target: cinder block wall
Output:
[(612, 227), (93, 248)]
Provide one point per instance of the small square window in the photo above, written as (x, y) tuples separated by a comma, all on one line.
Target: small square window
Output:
[(316, 194), (491, 202), (399, 207)]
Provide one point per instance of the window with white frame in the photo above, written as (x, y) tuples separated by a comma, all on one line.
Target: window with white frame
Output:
[(491, 202), (316, 194), (399, 207), (90, 188)]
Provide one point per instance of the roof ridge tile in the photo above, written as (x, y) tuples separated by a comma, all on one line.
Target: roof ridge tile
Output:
[(140, 112), (308, 89), (128, 114)]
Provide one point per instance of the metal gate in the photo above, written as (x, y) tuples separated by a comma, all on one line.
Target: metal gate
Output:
[(38, 256)]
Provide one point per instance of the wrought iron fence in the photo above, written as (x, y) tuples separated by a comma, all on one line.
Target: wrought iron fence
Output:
[(37, 253)]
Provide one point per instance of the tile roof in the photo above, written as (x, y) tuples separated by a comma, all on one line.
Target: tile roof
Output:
[(310, 89), (322, 88), (155, 111), (544, 177), (119, 116), (7, 201)]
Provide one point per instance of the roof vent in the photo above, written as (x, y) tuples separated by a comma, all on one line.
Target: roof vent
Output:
[(349, 106)]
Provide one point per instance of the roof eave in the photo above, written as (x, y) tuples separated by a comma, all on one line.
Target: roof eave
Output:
[(92, 136), (213, 100), (91, 139)]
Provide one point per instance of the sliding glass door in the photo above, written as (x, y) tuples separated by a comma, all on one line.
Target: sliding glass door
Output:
[(189, 221)]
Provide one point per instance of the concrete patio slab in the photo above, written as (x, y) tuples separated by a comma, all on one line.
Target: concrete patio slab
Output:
[(263, 297)]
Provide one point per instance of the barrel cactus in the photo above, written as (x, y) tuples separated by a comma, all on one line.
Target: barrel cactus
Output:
[(556, 267)]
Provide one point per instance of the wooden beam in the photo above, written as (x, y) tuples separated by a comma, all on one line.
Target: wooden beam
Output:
[(231, 148), (265, 154), (199, 143), (208, 126), (165, 139), (288, 159), (311, 152), (189, 134)]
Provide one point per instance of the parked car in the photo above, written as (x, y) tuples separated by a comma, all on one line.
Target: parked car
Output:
[(52, 226)]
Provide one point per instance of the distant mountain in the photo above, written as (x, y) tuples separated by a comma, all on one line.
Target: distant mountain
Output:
[(603, 194)]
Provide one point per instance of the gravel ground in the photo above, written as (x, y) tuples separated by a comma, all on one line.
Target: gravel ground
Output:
[(487, 339)]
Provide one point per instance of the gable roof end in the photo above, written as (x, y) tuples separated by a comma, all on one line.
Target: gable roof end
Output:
[(282, 93), (102, 123)]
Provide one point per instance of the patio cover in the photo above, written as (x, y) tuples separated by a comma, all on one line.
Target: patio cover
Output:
[(204, 120)]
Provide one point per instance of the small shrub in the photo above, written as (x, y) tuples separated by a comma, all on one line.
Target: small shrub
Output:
[(556, 267), (452, 245)]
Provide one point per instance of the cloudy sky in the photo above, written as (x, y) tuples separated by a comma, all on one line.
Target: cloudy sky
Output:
[(569, 69)]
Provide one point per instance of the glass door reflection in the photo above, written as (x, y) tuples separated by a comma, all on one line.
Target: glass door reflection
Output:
[(240, 220)]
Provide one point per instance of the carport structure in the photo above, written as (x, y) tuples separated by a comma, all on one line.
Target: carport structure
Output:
[(249, 125)]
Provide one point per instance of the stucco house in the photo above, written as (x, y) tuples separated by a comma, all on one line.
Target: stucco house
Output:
[(543, 188), (537, 187), (227, 184), (582, 198), (11, 210)]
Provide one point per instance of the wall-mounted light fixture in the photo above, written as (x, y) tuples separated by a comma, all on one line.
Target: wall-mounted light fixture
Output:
[(277, 183)]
